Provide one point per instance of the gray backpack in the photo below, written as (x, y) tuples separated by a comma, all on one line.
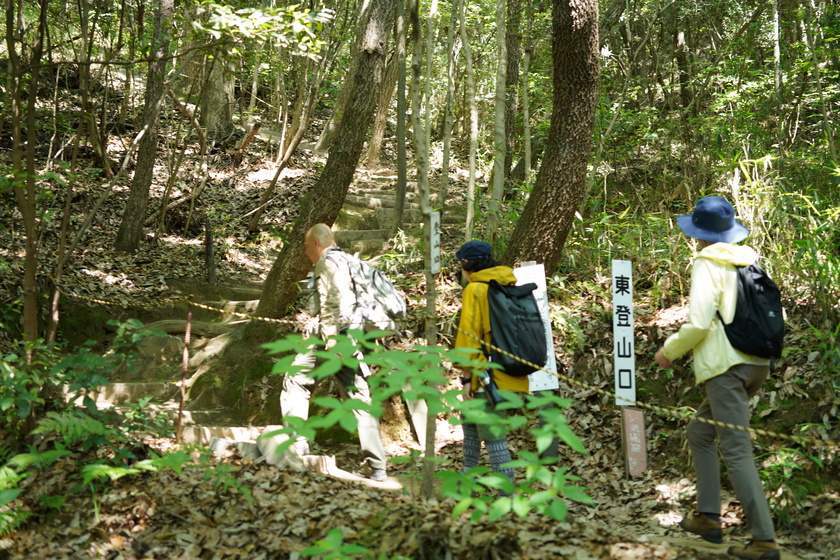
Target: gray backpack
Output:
[(379, 304)]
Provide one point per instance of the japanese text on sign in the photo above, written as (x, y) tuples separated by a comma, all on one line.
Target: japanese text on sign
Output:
[(623, 346), (434, 242)]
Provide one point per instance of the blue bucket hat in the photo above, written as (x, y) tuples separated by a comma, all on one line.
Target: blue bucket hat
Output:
[(713, 220), (473, 250)]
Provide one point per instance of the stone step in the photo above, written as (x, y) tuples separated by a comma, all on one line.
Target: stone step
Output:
[(413, 216), (352, 236), (384, 193), (119, 393), (203, 435), (375, 202)]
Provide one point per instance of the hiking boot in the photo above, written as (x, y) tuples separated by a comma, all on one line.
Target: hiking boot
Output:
[(708, 529), (762, 550), (378, 475)]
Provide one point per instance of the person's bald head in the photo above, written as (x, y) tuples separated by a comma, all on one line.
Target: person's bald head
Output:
[(318, 239)]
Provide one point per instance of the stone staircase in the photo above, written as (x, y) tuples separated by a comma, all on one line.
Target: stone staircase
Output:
[(364, 226), (366, 220)]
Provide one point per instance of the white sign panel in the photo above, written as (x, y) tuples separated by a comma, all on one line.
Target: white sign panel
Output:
[(434, 242), (540, 380), (623, 347)]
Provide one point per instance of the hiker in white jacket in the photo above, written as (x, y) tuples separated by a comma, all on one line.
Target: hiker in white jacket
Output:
[(729, 377)]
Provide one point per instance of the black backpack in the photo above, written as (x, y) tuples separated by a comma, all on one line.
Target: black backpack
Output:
[(758, 328), (516, 327)]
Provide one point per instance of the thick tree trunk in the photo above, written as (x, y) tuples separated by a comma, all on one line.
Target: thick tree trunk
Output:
[(131, 227), (549, 213), (217, 99), (327, 196)]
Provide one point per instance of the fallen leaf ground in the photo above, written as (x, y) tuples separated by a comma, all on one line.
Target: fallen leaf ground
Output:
[(242, 509)]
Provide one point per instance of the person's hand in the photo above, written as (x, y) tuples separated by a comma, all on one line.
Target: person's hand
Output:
[(660, 359), (467, 391)]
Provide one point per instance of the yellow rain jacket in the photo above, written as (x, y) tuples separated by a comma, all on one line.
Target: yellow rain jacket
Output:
[(714, 287), (475, 320)]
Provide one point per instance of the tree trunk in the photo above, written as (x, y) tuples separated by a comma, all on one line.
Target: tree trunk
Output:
[(452, 57), (526, 103), (23, 157), (402, 167), (470, 91), (514, 46), (374, 150), (500, 152), (324, 201), (541, 232), (217, 99), (431, 28), (131, 228)]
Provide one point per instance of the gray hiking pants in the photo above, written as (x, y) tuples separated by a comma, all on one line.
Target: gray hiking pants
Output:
[(298, 388), (727, 400)]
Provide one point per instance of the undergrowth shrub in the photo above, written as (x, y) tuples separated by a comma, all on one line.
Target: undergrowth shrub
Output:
[(421, 375), (52, 396)]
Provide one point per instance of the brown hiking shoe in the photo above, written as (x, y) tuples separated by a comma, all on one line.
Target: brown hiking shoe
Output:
[(708, 529), (762, 550)]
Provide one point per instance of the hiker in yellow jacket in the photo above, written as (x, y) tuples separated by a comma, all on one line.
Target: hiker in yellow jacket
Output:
[(478, 267), (728, 377)]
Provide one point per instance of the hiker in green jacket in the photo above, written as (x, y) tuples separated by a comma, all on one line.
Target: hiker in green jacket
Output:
[(729, 378)]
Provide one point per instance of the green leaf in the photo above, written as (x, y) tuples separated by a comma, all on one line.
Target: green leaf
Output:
[(577, 493), (52, 502), (499, 508), (98, 471), (521, 505), (557, 510), (7, 496), (462, 506)]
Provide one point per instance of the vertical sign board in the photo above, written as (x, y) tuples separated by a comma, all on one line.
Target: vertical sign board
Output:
[(632, 420), (540, 380), (623, 348), (434, 242)]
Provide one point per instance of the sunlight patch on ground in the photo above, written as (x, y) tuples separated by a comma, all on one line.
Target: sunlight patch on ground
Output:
[(106, 278), (672, 494), (267, 174)]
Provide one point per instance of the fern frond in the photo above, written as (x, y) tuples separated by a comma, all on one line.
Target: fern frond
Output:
[(73, 426)]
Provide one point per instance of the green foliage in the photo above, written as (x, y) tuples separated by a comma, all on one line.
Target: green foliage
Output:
[(333, 547), (788, 480), (295, 30), (36, 392), (421, 375), (74, 426), (224, 479)]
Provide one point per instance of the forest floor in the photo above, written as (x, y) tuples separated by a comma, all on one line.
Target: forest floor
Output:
[(237, 508)]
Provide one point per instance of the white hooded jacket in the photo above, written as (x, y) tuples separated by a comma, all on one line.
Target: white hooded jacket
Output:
[(714, 287)]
